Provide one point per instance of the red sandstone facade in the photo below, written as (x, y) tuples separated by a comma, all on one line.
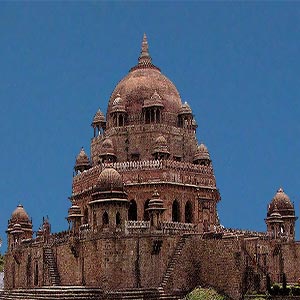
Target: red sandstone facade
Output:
[(143, 213)]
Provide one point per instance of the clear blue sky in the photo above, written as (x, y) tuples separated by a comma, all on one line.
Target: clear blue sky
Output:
[(236, 63)]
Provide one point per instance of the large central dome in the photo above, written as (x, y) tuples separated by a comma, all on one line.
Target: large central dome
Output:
[(142, 83)]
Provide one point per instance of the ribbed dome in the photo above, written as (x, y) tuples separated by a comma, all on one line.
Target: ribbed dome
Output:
[(82, 159), (282, 203), (98, 118), (110, 179), (201, 153), (19, 215), (141, 83)]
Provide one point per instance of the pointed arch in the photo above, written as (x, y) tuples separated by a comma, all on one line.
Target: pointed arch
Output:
[(188, 212), (175, 211), (105, 219), (132, 211)]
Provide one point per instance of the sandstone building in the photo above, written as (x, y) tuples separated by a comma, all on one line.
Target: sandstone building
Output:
[(143, 214)]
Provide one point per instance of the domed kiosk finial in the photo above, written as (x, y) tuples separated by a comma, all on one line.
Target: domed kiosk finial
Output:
[(145, 49), (145, 60)]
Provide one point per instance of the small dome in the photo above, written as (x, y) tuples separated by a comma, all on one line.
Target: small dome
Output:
[(98, 118), (282, 203), (118, 104), (185, 109), (161, 141), (82, 159), (19, 215), (110, 180), (161, 145), (107, 147), (154, 101), (17, 229), (155, 202), (74, 211), (201, 153)]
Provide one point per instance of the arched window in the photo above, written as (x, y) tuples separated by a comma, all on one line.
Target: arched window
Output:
[(188, 212), (105, 220), (36, 273), (118, 219), (291, 230), (132, 211), (146, 212), (175, 211)]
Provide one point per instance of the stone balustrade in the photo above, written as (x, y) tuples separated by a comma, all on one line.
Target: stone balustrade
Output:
[(132, 227), (177, 227), (82, 182)]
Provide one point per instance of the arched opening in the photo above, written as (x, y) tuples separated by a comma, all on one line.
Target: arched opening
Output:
[(146, 212), (118, 219), (36, 273), (121, 120), (115, 120), (132, 211), (85, 216), (147, 116), (152, 116), (175, 211), (158, 116), (105, 219), (188, 212)]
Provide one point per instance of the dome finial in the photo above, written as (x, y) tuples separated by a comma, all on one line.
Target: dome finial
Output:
[(145, 56)]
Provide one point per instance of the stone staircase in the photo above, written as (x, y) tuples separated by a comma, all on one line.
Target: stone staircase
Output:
[(52, 267), (83, 293), (170, 269)]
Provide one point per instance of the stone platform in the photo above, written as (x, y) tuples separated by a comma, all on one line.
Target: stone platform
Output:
[(83, 293)]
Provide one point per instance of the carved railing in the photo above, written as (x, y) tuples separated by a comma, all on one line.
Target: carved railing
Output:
[(177, 227), (151, 165), (136, 226), (183, 172)]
